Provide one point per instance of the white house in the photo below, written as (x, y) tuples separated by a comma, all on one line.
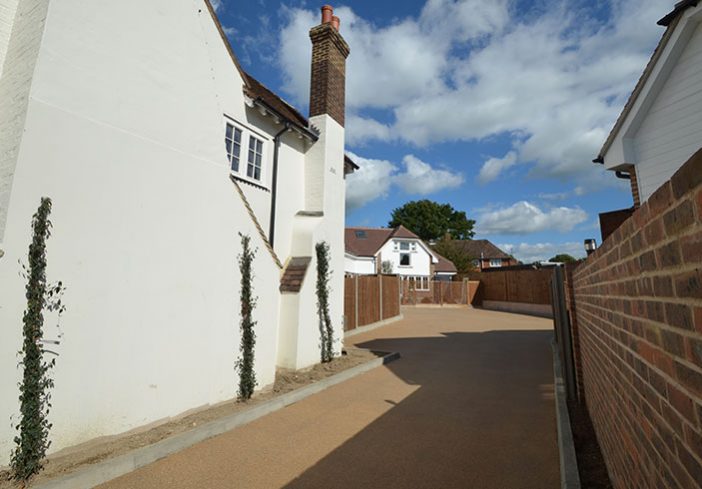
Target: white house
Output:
[(158, 150), (398, 251), (660, 126)]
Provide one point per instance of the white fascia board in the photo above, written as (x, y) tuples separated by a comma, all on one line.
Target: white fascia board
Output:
[(621, 151)]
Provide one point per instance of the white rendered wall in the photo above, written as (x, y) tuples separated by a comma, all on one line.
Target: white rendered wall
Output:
[(359, 265), (324, 172), (129, 146), (7, 18), (672, 129), (19, 48), (420, 260)]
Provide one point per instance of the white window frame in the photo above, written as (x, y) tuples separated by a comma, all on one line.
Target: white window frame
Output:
[(495, 262), (254, 158), (409, 257), (421, 283), (247, 133), (230, 145)]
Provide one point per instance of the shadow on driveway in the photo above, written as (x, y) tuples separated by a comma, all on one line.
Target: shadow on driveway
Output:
[(482, 417)]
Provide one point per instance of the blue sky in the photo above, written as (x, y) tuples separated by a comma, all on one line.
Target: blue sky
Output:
[(494, 106)]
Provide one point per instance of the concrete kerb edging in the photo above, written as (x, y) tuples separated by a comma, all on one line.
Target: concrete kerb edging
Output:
[(372, 326), (570, 478), (104, 471)]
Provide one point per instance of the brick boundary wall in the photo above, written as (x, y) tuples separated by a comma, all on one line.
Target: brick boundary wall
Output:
[(637, 311)]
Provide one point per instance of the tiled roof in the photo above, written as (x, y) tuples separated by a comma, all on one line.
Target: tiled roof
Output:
[(478, 248), (445, 265), (294, 274), (256, 89), (367, 241)]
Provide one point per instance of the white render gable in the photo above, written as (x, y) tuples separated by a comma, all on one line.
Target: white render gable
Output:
[(409, 257), (118, 111), (661, 128)]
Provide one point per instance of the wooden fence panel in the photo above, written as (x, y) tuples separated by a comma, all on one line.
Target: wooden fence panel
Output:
[(368, 299), (528, 286), (391, 296), (350, 303)]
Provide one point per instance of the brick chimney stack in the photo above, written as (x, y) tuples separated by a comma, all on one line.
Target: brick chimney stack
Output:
[(328, 80)]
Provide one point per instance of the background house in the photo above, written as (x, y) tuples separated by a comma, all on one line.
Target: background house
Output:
[(484, 254), (158, 150), (659, 128), (402, 251)]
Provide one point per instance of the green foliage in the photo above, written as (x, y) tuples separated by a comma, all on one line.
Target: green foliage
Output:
[(32, 441), (562, 258), (325, 327), (460, 258), (386, 267), (245, 365), (430, 220)]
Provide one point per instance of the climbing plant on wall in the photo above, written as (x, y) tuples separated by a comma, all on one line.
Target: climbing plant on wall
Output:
[(325, 327), (32, 441), (245, 364)]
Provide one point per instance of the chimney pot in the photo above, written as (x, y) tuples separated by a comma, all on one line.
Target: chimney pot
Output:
[(335, 22), (327, 14)]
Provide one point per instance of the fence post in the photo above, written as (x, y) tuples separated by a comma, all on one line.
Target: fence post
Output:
[(380, 295), (355, 302)]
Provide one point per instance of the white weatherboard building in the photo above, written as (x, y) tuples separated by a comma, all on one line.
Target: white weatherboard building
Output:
[(157, 150), (660, 127)]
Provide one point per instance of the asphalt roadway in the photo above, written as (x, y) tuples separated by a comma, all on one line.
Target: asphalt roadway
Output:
[(469, 405)]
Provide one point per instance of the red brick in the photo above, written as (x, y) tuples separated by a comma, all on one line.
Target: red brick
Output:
[(647, 261), (698, 319), (693, 351), (688, 176), (673, 343), (689, 378), (678, 219), (693, 440), (679, 315), (691, 247), (682, 403), (653, 232), (669, 255), (661, 199), (663, 286), (689, 284), (692, 465)]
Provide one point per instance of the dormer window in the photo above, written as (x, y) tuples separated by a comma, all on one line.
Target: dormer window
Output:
[(253, 169), (360, 234), (404, 246), (232, 140)]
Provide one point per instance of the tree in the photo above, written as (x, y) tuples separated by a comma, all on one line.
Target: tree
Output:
[(430, 220), (562, 258), (460, 258)]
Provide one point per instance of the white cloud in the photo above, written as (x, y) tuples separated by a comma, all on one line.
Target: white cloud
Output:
[(421, 178), (530, 253), (360, 130), (375, 177), (552, 81), (217, 4), (524, 218), (494, 166), (371, 181), (553, 196)]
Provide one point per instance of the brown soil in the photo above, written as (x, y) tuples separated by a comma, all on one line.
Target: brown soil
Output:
[(591, 465), (70, 459)]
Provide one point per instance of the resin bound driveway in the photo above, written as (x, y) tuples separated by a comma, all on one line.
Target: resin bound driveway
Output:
[(469, 405)]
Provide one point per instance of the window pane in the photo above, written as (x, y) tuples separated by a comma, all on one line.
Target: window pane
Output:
[(404, 245), (404, 259), (258, 161), (237, 136), (230, 128), (249, 171), (228, 142), (257, 173)]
